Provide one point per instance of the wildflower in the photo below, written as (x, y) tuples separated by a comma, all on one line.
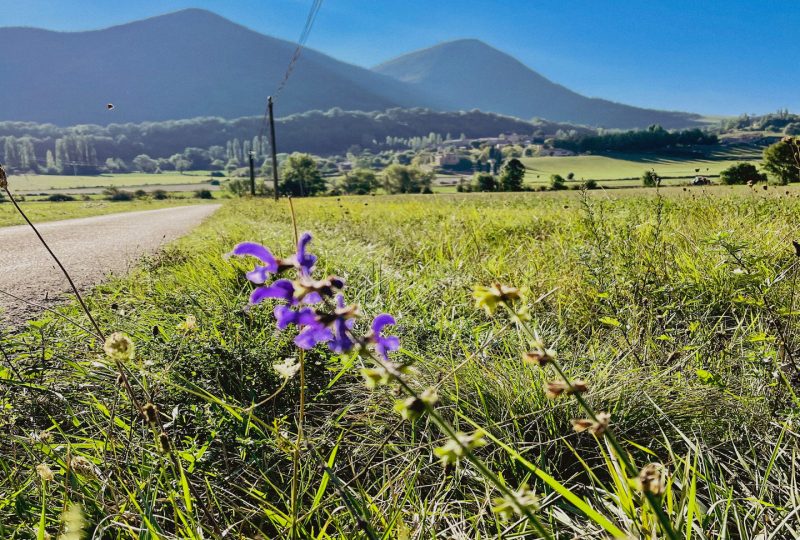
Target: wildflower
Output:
[(489, 298), (44, 472), (412, 408), (260, 273), (342, 324), (312, 292), (455, 449), (652, 479), (556, 388), (303, 260), (287, 369), (283, 289), (507, 505), (189, 325), (150, 413), (597, 426), (539, 358), (383, 344), (119, 346), (285, 316)]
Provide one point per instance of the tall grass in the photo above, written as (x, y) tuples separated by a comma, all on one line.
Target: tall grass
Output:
[(679, 313)]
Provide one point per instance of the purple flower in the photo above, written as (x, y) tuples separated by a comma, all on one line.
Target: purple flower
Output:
[(383, 344), (281, 289), (314, 333), (260, 273), (303, 260), (287, 316), (342, 324)]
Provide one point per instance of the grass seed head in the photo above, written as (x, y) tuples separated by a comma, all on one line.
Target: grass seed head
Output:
[(45, 472), (455, 449), (539, 358), (189, 325), (507, 506), (595, 427), (119, 346), (150, 413), (489, 298), (653, 479)]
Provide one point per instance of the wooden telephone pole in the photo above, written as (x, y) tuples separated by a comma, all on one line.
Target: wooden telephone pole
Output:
[(274, 150), (252, 174)]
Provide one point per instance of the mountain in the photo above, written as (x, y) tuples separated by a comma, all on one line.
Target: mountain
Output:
[(470, 74), (194, 63), (181, 65)]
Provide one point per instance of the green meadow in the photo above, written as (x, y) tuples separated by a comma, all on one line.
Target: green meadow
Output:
[(626, 169), (35, 182), (677, 311), (40, 211)]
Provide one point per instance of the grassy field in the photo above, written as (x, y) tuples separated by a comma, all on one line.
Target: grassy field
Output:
[(40, 211), (27, 183), (623, 167), (677, 308)]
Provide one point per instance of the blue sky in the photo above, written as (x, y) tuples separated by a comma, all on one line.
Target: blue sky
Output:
[(704, 56)]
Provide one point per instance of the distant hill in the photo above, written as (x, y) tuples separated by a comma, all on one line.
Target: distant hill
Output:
[(182, 65), (194, 63), (470, 74)]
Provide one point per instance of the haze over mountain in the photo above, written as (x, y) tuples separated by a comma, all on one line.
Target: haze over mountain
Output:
[(194, 63)]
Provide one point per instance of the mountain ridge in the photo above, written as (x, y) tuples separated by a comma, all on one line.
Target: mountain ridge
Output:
[(194, 62), (440, 70)]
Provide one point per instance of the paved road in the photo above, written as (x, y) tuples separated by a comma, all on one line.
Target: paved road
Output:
[(90, 248)]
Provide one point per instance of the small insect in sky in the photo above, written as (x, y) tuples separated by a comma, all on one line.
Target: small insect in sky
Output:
[(110, 106)]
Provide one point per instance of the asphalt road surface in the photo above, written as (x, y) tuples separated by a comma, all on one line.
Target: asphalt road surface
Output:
[(90, 248)]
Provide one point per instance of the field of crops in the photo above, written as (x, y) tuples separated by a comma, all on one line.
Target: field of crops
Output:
[(672, 312)]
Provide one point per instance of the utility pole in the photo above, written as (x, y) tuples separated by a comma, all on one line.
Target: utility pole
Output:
[(274, 150), (252, 174)]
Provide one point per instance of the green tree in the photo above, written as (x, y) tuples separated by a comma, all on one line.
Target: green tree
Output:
[(650, 178), (782, 160), (300, 176), (741, 173), (404, 179), (484, 182), (180, 162), (359, 182), (512, 175), (556, 182), (145, 163)]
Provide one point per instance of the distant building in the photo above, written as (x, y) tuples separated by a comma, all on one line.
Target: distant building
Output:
[(446, 158), (345, 166)]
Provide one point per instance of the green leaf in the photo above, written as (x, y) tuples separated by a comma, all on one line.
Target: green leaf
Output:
[(610, 321)]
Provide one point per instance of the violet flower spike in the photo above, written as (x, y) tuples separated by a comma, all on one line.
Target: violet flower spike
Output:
[(383, 344), (260, 273)]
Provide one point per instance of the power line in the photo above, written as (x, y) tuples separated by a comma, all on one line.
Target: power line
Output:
[(309, 24)]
